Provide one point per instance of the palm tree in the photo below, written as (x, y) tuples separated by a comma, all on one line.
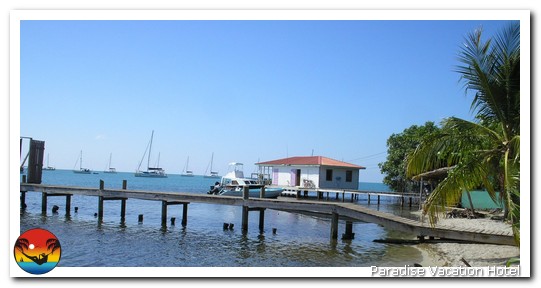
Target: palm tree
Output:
[(484, 153)]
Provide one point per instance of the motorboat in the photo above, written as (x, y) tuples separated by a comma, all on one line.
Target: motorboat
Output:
[(233, 183)]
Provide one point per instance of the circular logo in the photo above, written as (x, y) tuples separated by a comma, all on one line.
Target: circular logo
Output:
[(37, 251)]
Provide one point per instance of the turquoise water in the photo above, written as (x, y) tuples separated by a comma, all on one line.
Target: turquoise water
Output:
[(300, 240)]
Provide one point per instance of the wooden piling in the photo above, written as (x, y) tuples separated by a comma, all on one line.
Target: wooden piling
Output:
[(123, 211), (123, 203), (334, 225), (140, 218), (378, 199), (348, 235), (369, 198), (246, 193), (164, 213), (100, 207), (68, 205), (262, 192), (23, 200), (44, 203), (261, 219), (184, 214), (244, 219)]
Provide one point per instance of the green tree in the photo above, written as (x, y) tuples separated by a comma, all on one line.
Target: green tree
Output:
[(485, 152), (398, 147)]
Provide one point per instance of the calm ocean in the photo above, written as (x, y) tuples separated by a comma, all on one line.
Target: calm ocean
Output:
[(300, 240)]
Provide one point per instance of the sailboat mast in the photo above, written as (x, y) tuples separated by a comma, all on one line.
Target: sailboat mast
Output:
[(211, 159), (81, 162), (150, 149)]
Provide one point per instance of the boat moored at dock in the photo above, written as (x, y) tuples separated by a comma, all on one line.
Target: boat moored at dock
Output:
[(234, 182)]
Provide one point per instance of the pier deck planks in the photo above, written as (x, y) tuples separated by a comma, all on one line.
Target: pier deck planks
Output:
[(343, 209)]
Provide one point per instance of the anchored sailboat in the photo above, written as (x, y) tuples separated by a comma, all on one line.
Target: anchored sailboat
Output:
[(81, 169), (110, 169), (48, 167), (213, 174), (186, 172), (154, 172)]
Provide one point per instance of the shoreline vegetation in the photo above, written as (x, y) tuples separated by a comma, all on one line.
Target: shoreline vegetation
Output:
[(476, 255)]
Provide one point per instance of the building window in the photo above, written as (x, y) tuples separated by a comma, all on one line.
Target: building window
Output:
[(349, 175), (328, 177)]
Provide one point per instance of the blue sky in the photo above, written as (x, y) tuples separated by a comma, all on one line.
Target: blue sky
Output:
[(246, 91)]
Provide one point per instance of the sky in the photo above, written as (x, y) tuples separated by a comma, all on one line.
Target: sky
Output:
[(243, 91)]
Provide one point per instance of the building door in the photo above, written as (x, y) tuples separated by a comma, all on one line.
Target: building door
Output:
[(298, 177)]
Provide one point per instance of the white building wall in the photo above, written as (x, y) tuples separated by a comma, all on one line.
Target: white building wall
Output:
[(338, 178), (286, 176)]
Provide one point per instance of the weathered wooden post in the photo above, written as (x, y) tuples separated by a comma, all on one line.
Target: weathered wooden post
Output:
[(123, 203), (100, 208), (23, 200), (164, 213), (378, 199), (334, 226), (35, 161), (123, 210), (100, 202), (184, 214), (262, 192), (261, 219), (68, 205), (369, 198), (349, 231), (245, 196), (44, 203)]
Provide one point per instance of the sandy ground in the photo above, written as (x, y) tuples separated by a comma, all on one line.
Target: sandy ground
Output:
[(477, 255)]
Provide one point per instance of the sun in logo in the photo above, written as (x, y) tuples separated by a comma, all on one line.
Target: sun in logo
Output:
[(37, 251)]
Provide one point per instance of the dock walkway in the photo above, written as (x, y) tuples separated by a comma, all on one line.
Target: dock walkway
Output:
[(337, 210)]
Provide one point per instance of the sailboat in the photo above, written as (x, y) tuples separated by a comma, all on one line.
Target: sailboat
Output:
[(154, 172), (186, 172), (213, 174), (110, 169), (81, 169), (48, 167)]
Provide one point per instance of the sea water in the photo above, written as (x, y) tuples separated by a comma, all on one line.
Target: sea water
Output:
[(299, 240)]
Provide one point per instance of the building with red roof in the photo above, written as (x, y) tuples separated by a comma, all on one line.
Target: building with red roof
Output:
[(312, 172)]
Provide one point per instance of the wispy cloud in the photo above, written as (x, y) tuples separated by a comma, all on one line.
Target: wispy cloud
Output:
[(100, 137)]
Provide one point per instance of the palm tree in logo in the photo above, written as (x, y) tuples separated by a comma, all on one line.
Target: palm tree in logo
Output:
[(23, 245)]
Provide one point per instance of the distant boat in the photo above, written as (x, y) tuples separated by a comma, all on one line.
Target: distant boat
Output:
[(186, 172), (81, 169), (50, 168), (213, 174), (110, 169), (153, 172)]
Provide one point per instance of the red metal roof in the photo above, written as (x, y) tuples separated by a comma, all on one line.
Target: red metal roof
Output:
[(310, 160)]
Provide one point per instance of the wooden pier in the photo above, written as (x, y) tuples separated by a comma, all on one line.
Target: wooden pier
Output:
[(337, 210), (320, 194)]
